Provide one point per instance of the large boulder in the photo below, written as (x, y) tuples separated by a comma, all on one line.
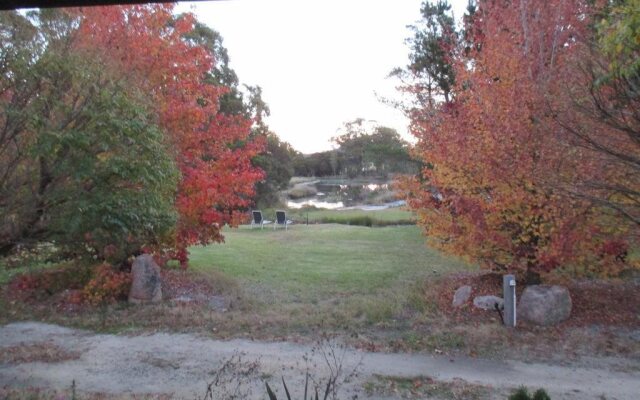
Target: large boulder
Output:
[(146, 284), (461, 295), (544, 304), (488, 302)]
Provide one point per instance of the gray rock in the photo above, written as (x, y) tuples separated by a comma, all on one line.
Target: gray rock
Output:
[(461, 295), (544, 304), (630, 275), (183, 299), (146, 282), (488, 302), (219, 303)]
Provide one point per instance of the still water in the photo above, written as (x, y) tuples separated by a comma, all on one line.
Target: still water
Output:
[(333, 196)]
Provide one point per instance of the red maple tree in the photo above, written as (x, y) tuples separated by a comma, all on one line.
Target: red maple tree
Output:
[(496, 156), (147, 45)]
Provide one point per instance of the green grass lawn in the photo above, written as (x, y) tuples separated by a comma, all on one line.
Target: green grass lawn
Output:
[(328, 258), (307, 280), (326, 269), (370, 286)]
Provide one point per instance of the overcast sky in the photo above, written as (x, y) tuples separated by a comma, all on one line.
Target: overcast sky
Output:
[(320, 63)]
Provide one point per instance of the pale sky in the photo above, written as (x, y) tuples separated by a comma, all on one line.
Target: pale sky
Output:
[(320, 63)]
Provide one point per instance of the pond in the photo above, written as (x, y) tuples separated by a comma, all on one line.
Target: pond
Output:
[(347, 195)]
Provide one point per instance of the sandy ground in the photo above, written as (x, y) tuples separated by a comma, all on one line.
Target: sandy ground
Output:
[(182, 364)]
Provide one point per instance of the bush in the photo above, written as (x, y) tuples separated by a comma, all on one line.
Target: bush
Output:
[(358, 220), (51, 281), (523, 394), (108, 285), (26, 257), (362, 220)]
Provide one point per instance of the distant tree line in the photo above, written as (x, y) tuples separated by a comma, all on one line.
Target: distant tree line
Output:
[(277, 161), (379, 151)]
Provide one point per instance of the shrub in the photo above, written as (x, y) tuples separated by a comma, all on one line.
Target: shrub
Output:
[(25, 283), (108, 285), (523, 394), (335, 358), (28, 257), (51, 281), (358, 220)]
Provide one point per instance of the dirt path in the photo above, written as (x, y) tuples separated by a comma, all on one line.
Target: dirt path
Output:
[(182, 364)]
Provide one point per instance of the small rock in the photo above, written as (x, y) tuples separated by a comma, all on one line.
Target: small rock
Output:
[(545, 304), (219, 303), (630, 275), (146, 281), (488, 302), (461, 295), (183, 299)]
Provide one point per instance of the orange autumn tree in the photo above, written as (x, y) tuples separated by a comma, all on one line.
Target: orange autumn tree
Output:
[(496, 156), (598, 105), (149, 47)]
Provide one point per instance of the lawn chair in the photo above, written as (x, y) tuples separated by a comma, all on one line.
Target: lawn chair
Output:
[(281, 219), (257, 219)]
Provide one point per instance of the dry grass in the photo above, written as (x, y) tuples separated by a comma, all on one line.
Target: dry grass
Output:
[(417, 322), (36, 352), (592, 330), (379, 288), (69, 394), (421, 387)]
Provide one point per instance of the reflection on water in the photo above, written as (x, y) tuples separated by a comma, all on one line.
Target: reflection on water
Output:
[(375, 186), (397, 203), (315, 203), (370, 196)]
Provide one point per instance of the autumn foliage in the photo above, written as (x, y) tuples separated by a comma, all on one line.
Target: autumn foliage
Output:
[(107, 285), (500, 186), (211, 149), (141, 58)]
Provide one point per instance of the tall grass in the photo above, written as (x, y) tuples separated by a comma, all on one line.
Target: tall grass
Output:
[(370, 218)]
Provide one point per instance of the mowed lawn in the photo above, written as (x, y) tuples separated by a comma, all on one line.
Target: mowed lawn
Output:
[(358, 270)]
